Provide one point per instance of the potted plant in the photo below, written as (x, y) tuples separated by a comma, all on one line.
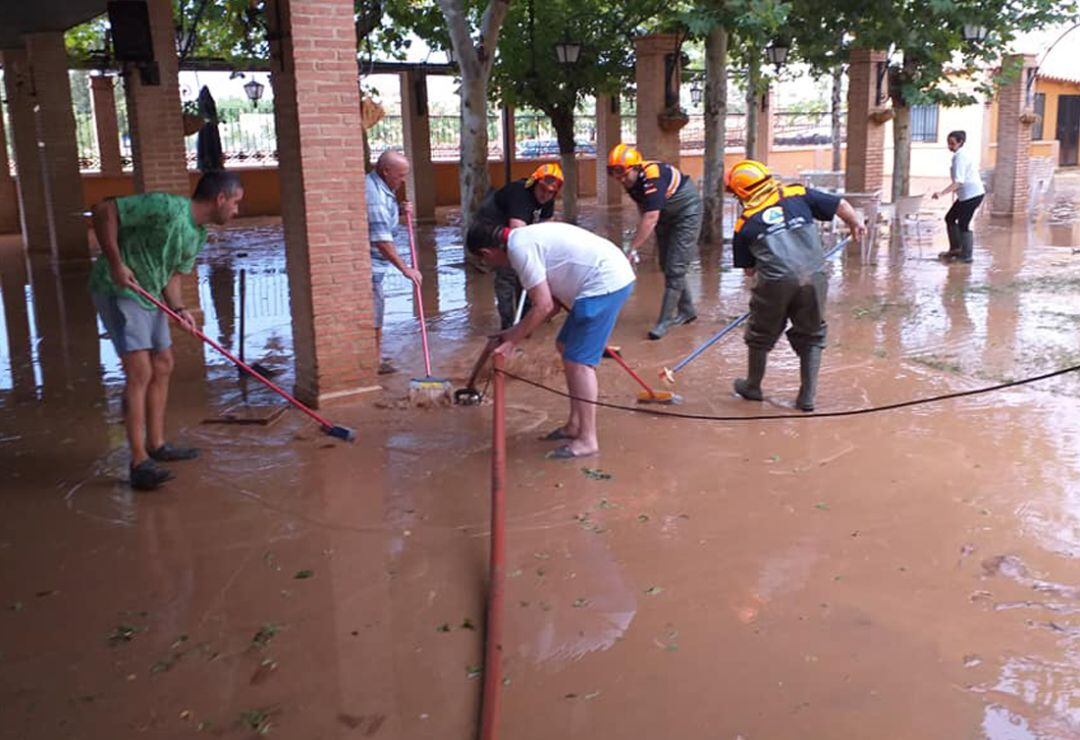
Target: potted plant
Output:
[(672, 118)]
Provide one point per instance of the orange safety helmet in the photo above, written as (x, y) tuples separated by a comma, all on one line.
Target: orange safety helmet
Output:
[(749, 178), (550, 174), (622, 158)]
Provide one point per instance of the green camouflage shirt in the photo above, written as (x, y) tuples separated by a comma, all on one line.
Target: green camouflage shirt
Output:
[(158, 237)]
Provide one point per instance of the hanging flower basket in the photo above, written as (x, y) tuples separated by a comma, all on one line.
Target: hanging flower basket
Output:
[(672, 120), (192, 124), (881, 115), (1029, 117)]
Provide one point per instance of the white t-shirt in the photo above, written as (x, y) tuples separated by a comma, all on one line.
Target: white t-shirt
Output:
[(576, 263), (965, 172)]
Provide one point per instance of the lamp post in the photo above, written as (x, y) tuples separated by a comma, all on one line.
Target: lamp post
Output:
[(254, 90), (776, 52), (974, 33), (696, 91)]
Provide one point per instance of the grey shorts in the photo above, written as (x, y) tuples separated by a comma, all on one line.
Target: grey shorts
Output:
[(379, 297), (132, 327)]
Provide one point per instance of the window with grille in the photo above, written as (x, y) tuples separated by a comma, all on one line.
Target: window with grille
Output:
[(924, 123)]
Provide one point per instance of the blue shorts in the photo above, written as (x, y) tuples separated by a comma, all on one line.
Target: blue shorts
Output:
[(130, 326), (586, 330)]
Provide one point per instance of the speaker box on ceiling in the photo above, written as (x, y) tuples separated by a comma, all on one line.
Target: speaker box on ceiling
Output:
[(131, 37)]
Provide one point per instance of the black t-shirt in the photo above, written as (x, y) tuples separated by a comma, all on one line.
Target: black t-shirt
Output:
[(658, 182), (798, 207), (514, 200)]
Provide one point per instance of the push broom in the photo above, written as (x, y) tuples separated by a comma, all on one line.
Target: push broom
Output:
[(425, 391), (329, 428)]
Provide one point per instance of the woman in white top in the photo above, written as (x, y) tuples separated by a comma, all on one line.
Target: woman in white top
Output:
[(968, 186)]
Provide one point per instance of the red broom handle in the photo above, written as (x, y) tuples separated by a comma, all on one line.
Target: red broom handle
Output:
[(419, 298), (492, 698), (613, 354), (236, 361)]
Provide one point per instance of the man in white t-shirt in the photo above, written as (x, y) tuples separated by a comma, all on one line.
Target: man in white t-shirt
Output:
[(561, 265), (968, 185)]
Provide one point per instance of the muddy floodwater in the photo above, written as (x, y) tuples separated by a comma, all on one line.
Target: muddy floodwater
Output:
[(908, 574)]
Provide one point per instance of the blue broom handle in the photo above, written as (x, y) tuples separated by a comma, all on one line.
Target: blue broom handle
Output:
[(735, 323)]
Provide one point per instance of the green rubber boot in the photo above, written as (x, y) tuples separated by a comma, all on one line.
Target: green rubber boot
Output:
[(750, 386), (809, 364)]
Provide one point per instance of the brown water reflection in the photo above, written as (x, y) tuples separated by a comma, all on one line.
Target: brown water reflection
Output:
[(909, 575)]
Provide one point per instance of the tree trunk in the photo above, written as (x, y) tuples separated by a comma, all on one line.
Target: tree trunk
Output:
[(473, 176), (901, 178), (564, 132), (715, 119), (837, 119), (474, 65), (753, 82)]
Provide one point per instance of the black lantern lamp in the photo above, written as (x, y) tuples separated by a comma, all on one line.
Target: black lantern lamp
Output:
[(254, 90)]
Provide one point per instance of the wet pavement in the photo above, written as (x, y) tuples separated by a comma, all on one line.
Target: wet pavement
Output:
[(912, 574)]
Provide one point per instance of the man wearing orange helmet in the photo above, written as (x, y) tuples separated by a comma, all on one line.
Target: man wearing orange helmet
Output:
[(777, 242), (519, 203), (669, 205)]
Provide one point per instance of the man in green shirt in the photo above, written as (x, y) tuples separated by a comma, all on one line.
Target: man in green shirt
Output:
[(150, 240)]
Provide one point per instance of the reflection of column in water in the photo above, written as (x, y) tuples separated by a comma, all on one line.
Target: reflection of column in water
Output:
[(17, 317), (1003, 306), (222, 294), (67, 330), (428, 259), (954, 299)]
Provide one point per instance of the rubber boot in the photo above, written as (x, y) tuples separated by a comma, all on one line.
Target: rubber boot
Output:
[(967, 246), (953, 232), (750, 386), (809, 364), (668, 313), (687, 313)]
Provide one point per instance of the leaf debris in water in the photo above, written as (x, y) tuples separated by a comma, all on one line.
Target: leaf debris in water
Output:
[(580, 602), (466, 624), (302, 574), (444, 627), (265, 634), (654, 591), (474, 671), (123, 633), (596, 474), (821, 505)]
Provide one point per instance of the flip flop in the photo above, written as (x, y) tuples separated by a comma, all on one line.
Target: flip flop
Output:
[(563, 452), (555, 435)]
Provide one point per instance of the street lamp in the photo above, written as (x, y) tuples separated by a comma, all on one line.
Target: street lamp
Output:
[(567, 51), (696, 91), (254, 90), (777, 52), (974, 33)]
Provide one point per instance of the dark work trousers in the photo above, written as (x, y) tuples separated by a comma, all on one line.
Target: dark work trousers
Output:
[(773, 303), (507, 294), (962, 212), (677, 232)]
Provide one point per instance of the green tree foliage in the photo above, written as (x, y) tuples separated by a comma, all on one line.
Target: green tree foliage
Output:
[(527, 72)]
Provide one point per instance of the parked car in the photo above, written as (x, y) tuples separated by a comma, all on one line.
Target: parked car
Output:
[(531, 148)]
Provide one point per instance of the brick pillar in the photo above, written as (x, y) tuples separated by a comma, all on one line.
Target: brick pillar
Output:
[(108, 131), (1010, 191), (19, 88), (765, 121), (416, 128), (154, 116), (608, 134), (649, 72), (317, 112), (9, 194), (57, 147), (865, 171)]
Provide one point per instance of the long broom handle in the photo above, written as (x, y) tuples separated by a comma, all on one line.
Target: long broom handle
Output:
[(735, 323), (419, 297), (613, 354), (235, 360)]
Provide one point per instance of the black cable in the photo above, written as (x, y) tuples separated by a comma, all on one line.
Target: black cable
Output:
[(789, 417)]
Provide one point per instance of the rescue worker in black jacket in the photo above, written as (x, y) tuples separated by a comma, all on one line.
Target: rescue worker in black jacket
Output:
[(671, 206), (519, 203), (777, 242)]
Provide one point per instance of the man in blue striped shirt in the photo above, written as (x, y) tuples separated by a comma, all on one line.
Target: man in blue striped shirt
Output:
[(380, 188)]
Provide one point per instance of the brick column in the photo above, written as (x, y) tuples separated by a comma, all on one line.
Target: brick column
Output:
[(57, 147), (865, 171), (9, 194), (765, 120), (416, 128), (154, 116), (649, 73), (1010, 191), (19, 89), (317, 112), (108, 131), (608, 134)]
